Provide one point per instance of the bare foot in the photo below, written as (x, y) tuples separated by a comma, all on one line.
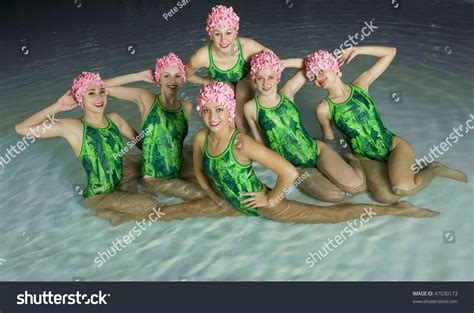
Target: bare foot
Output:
[(405, 208), (443, 170)]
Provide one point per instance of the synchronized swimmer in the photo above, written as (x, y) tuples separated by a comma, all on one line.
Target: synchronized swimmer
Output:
[(216, 178)]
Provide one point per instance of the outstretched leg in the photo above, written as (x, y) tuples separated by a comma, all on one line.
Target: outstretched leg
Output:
[(378, 183), (123, 202), (244, 92), (349, 178), (297, 212), (317, 186), (175, 187), (198, 208), (403, 179)]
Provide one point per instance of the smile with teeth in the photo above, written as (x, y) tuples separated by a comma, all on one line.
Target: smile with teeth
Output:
[(214, 124), (172, 86), (323, 81), (99, 105), (222, 45)]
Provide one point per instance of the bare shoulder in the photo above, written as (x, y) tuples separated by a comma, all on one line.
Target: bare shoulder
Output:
[(361, 83), (244, 142), (322, 107), (117, 119), (72, 126), (250, 105), (187, 105), (199, 138), (201, 57)]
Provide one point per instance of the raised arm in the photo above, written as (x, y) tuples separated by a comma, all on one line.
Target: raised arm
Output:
[(295, 62), (250, 112), (385, 55), (143, 98), (286, 172), (198, 60), (44, 123), (294, 84), (324, 118)]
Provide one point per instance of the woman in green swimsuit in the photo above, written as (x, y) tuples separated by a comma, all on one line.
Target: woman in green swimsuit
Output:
[(223, 163), (96, 139), (275, 120), (352, 110), (227, 58), (164, 121)]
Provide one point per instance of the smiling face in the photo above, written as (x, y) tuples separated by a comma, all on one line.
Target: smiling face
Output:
[(223, 38), (95, 99), (324, 78), (215, 116), (171, 79), (266, 81)]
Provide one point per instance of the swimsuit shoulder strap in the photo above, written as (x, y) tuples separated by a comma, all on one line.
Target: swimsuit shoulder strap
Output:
[(211, 60)]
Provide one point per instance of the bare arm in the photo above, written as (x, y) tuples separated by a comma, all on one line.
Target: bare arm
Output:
[(188, 108), (385, 55), (146, 76), (39, 120), (324, 118), (250, 113), (251, 47), (196, 61), (44, 124), (294, 84), (286, 172), (143, 98), (295, 62)]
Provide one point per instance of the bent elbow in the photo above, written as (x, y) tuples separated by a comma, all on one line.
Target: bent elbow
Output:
[(19, 130)]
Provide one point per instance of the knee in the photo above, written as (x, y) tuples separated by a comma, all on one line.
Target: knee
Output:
[(400, 191), (386, 198)]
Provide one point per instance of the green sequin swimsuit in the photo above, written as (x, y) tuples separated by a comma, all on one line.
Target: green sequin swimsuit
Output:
[(100, 156), (233, 75), (165, 131), (358, 119), (231, 178)]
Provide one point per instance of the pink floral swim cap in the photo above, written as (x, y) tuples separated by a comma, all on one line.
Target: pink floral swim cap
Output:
[(265, 59), (222, 16), (82, 82), (220, 93), (169, 60), (321, 60)]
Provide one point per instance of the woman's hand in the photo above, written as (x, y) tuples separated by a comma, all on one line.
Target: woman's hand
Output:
[(147, 76), (66, 102), (256, 199), (347, 55)]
